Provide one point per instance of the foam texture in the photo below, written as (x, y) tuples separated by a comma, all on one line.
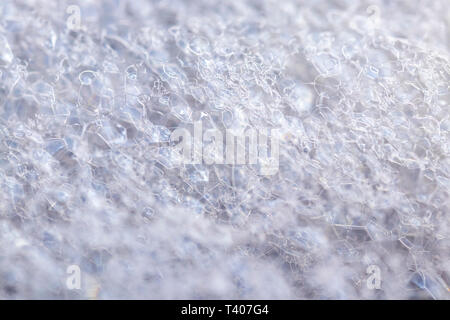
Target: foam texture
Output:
[(359, 91)]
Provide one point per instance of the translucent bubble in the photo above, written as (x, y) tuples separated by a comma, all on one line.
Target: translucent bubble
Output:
[(113, 133), (301, 97), (180, 108), (131, 72), (182, 44), (372, 72), (55, 145), (172, 71), (110, 67), (87, 77), (148, 212), (43, 88), (158, 134), (350, 50), (6, 55), (327, 64), (199, 45), (174, 31), (160, 55)]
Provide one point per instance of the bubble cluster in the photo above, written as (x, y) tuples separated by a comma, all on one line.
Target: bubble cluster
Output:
[(359, 92)]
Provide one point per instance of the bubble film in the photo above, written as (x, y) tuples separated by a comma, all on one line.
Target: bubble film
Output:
[(91, 92)]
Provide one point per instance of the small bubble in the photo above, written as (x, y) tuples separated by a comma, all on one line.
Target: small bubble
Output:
[(199, 45), (327, 64), (110, 67), (175, 31), (131, 72), (86, 77), (373, 72), (148, 213)]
